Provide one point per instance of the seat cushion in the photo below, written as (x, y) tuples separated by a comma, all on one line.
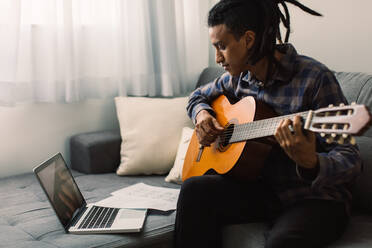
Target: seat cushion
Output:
[(357, 235), (27, 219), (244, 235)]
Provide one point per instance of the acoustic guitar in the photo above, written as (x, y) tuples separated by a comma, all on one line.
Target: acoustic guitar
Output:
[(244, 145)]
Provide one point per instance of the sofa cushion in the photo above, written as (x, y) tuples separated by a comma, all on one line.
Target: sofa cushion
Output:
[(150, 130), (175, 174), (95, 152), (357, 235), (208, 75), (244, 235), (27, 219), (357, 87)]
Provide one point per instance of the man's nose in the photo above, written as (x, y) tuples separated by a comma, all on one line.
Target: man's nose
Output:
[(219, 57)]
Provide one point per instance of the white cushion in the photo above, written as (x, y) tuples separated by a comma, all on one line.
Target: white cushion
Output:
[(175, 175), (150, 130)]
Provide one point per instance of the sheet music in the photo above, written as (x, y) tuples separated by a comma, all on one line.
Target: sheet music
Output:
[(141, 195)]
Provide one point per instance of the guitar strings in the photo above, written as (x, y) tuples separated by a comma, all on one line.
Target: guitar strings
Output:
[(255, 128), (259, 123)]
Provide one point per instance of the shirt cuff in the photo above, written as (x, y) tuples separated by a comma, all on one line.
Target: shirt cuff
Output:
[(199, 108), (320, 175), (306, 174)]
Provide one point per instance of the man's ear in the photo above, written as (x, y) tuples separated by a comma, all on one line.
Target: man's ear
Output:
[(250, 37)]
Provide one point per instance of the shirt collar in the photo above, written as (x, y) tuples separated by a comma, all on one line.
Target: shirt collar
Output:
[(287, 64)]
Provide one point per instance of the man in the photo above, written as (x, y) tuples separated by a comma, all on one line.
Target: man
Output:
[(303, 192)]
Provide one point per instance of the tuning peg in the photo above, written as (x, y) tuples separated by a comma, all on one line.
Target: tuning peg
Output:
[(333, 135), (329, 140), (322, 135), (330, 105), (353, 103), (352, 140), (340, 140), (345, 136), (342, 104)]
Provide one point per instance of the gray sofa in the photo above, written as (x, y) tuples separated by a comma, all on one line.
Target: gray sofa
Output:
[(27, 220)]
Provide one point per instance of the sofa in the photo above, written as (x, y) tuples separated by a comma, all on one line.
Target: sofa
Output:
[(27, 220)]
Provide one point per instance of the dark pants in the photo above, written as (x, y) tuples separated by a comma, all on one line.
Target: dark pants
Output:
[(209, 202)]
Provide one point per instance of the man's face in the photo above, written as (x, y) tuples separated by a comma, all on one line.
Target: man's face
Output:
[(230, 53)]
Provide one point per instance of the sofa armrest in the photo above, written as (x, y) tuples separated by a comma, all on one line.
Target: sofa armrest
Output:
[(95, 152)]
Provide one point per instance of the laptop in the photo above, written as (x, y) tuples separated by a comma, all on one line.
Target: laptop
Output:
[(71, 208)]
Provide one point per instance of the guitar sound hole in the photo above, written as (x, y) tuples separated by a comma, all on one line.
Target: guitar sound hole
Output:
[(226, 136)]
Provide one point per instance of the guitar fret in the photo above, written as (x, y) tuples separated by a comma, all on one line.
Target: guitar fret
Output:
[(260, 128)]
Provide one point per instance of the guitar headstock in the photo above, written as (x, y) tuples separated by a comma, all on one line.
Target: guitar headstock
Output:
[(340, 123)]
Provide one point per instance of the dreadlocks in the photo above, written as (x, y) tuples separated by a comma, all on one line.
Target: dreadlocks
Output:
[(260, 16)]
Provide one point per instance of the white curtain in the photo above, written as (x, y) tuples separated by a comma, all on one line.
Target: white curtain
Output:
[(69, 50)]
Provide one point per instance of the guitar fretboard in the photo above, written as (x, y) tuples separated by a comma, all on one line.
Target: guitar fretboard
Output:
[(258, 129)]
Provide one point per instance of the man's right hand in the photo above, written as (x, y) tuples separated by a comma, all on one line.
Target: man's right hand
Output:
[(207, 128)]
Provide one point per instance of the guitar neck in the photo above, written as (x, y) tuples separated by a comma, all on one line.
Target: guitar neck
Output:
[(258, 129)]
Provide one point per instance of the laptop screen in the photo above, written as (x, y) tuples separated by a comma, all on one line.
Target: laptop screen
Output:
[(60, 187)]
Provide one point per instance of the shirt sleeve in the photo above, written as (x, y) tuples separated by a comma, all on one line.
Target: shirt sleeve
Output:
[(338, 164), (201, 98)]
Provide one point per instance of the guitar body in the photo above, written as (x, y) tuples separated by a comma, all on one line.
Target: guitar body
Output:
[(243, 160), (245, 144)]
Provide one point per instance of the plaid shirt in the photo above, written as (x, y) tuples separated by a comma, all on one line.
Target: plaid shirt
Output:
[(301, 84)]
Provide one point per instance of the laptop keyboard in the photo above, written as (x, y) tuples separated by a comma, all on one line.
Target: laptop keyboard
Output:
[(99, 217)]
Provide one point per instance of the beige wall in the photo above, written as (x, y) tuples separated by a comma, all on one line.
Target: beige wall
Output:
[(341, 39)]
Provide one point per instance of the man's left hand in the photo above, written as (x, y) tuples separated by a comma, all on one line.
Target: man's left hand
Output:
[(299, 147)]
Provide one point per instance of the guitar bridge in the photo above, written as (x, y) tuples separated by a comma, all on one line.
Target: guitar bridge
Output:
[(201, 149)]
